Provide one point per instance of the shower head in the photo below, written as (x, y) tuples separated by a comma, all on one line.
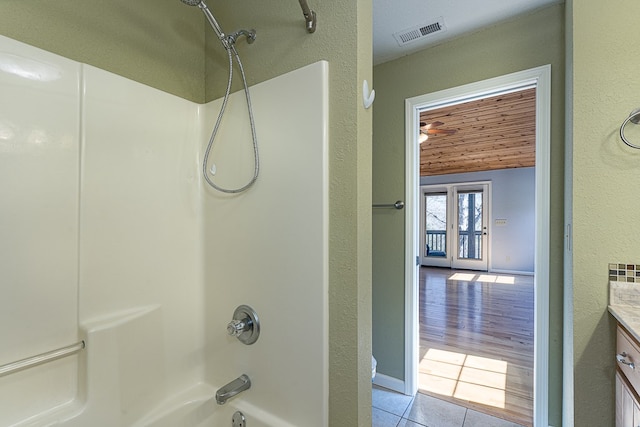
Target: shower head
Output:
[(191, 2)]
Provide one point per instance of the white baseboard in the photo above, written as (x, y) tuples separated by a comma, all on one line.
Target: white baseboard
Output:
[(388, 382), (516, 272)]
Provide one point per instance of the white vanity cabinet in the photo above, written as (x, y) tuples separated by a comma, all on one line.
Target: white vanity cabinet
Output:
[(627, 380)]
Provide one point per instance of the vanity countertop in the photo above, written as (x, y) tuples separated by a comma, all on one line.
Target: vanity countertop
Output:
[(629, 317)]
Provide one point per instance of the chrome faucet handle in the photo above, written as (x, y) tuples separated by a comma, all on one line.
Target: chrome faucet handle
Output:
[(236, 327), (245, 325)]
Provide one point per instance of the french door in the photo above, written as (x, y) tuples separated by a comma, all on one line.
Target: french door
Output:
[(454, 220)]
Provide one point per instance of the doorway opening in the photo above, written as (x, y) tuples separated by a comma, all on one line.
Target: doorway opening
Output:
[(538, 78)]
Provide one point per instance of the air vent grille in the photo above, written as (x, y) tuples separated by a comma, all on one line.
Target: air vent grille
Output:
[(416, 33), (431, 28)]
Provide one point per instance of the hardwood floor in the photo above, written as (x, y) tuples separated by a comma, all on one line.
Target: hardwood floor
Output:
[(476, 341)]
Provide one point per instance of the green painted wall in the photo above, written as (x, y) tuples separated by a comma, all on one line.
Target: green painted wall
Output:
[(162, 44), (529, 41), (606, 213), (156, 43)]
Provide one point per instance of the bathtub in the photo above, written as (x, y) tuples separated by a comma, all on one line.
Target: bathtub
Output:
[(122, 384), (197, 407)]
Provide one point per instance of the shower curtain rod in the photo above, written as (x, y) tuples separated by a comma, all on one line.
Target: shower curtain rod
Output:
[(309, 16)]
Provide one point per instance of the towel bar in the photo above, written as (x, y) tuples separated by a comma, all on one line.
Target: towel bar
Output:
[(397, 205)]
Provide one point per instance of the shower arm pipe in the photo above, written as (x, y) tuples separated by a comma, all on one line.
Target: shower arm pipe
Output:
[(309, 16)]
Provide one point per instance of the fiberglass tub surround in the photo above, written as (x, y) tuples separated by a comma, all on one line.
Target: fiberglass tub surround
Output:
[(138, 258), (39, 166)]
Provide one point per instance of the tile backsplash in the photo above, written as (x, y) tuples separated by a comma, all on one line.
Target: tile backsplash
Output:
[(619, 272), (624, 284)]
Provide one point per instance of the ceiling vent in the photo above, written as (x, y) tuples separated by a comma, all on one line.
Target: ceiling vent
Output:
[(411, 35)]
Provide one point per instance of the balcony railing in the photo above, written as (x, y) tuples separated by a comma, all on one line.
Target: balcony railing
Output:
[(470, 249), (436, 244)]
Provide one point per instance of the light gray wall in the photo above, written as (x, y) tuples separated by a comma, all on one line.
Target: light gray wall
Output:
[(512, 246)]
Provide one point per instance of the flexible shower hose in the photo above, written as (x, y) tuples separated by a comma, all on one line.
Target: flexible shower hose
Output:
[(256, 163)]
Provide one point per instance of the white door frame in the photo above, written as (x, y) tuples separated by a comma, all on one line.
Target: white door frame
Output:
[(539, 77)]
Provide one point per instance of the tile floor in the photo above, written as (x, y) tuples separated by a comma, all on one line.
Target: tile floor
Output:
[(391, 409)]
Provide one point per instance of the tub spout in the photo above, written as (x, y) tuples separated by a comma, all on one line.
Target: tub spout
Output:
[(236, 386)]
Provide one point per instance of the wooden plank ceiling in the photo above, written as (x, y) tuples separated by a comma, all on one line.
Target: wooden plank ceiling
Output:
[(490, 133)]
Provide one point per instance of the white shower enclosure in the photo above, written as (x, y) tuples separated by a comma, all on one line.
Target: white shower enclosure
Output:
[(109, 236)]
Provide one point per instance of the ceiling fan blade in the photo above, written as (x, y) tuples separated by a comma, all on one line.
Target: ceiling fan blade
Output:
[(424, 125), (441, 131)]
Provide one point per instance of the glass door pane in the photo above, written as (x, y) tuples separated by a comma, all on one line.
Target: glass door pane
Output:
[(471, 203), (435, 225), (470, 220)]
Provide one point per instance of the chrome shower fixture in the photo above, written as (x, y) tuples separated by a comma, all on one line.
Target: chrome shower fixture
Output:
[(309, 16), (234, 388), (250, 35), (227, 41), (245, 325)]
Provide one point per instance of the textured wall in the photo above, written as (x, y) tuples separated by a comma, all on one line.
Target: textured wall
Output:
[(605, 214), (156, 43), (529, 41)]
